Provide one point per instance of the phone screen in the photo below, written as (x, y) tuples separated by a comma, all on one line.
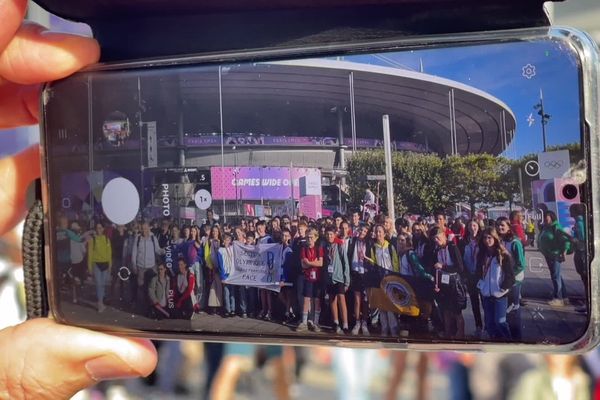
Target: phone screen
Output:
[(417, 195)]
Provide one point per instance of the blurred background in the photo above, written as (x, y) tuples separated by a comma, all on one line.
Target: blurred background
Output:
[(188, 369)]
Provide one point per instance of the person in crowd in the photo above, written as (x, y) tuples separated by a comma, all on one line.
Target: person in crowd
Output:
[(78, 270), (204, 233), (390, 230), (442, 222), (355, 222), (338, 278), (286, 222), (311, 258), (240, 234), (554, 243), (117, 242), (298, 243), (159, 292), (514, 245), (226, 265), (63, 246), (129, 273), (144, 254), (530, 232), (100, 262), (579, 244), (211, 261), (448, 267), (471, 249), (193, 254), (421, 244), (383, 255), (410, 266), (275, 224), (459, 229), (357, 250), (184, 295), (496, 278), (266, 298), (345, 233), (286, 294), (403, 225), (210, 217), (249, 294), (164, 233), (516, 219), (185, 232), (176, 239), (369, 197)]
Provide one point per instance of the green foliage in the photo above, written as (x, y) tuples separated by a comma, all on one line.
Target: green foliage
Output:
[(426, 183), (417, 178), (478, 178)]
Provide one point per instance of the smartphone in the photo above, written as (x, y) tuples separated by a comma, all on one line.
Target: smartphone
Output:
[(425, 193)]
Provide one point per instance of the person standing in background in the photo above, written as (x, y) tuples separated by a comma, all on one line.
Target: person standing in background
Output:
[(496, 277), (78, 270), (117, 241), (579, 243), (516, 225), (471, 248), (554, 243), (100, 262), (143, 258), (515, 247)]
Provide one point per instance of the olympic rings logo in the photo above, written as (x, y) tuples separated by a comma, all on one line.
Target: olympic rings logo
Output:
[(553, 164)]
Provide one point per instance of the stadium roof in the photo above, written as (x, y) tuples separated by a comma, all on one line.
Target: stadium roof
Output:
[(450, 116)]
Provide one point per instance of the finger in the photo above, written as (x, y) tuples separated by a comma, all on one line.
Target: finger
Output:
[(19, 104), (16, 174), (12, 12), (45, 360), (37, 55)]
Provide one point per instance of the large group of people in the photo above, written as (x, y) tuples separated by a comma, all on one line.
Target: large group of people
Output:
[(332, 271)]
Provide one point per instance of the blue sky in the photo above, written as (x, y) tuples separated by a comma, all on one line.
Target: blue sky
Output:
[(497, 69)]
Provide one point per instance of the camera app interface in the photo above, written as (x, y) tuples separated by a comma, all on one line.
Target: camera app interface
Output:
[(423, 195)]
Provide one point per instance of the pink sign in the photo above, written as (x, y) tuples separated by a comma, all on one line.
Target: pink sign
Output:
[(256, 183)]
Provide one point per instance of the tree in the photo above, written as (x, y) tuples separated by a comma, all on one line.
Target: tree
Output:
[(478, 178), (417, 180)]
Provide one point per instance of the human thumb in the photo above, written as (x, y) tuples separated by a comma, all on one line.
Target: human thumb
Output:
[(42, 359)]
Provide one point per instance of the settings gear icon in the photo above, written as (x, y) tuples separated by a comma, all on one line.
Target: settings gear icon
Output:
[(529, 71)]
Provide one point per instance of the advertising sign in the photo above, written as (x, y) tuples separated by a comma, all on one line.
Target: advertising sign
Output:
[(256, 183), (554, 164)]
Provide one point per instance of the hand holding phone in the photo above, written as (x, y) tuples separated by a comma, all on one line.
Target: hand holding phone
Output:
[(84, 356)]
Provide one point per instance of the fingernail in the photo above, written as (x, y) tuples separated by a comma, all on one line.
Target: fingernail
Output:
[(59, 36), (109, 367)]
